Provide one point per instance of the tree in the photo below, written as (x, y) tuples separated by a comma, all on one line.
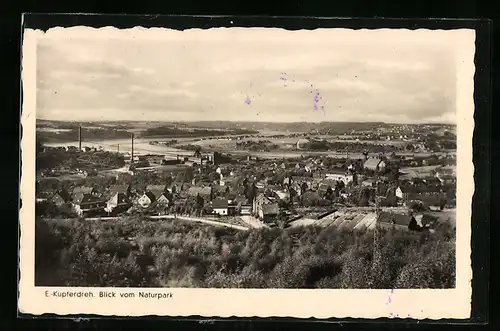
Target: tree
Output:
[(304, 187), (310, 199), (415, 275), (442, 203), (40, 142), (329, 195)]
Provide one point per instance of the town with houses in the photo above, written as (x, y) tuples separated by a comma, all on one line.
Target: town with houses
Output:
[(407, 188)]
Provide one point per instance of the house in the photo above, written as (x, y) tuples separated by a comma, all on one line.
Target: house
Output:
[(163, 200), (220, 207), (146, 199), (119, 202), (268, 212), (56, 197), (397, 220), (296, 189), (87, 205), (420, 192), (374, 164), (124, 189), (45, 195)]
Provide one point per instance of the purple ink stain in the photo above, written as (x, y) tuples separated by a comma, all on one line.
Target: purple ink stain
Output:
[(248, 101)]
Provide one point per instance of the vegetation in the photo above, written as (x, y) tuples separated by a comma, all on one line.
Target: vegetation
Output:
[(134, 252), (353, 147), (169, 131)]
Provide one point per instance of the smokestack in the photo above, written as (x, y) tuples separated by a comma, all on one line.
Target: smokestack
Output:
[(132, 158)]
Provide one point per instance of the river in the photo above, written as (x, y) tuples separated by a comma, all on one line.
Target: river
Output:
[(142, 146)]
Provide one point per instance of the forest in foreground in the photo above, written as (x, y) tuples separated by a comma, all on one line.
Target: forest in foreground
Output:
[(134, 252)]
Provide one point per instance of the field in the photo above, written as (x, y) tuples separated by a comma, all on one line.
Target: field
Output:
[(132, 252)]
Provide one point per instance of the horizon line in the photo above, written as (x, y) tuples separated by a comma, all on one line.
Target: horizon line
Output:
[(242, 121)]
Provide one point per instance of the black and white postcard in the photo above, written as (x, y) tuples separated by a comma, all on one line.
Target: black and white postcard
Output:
[(247, 172)]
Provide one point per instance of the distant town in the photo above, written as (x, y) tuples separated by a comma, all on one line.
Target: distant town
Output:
[(354, 176)]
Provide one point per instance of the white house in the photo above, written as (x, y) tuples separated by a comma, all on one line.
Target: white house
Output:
[(399, 193), (162, 200)]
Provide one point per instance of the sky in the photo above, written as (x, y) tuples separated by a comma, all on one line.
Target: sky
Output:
[(247, 74)]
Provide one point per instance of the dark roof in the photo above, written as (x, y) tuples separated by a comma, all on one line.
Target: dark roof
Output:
[(163, 195), (122, 198), (270, 209), (119, 188), (220, 203), (394, 218), (151, 196)]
